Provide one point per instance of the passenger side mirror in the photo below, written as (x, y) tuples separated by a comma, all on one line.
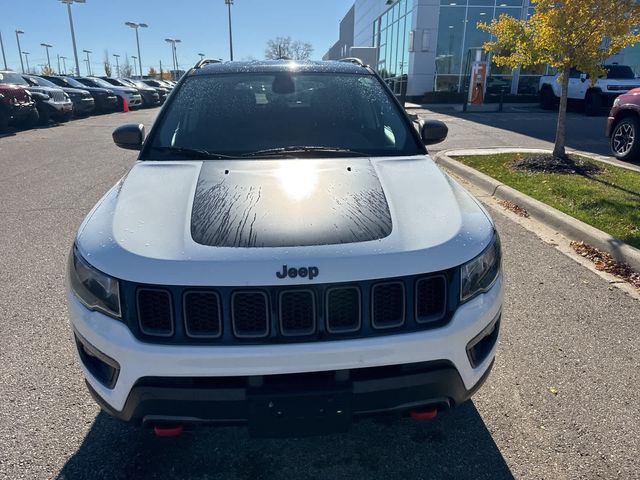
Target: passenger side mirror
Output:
[(129, 136), (434, 131)]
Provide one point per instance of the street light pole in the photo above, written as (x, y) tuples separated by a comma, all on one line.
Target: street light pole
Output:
[(117, 64), (18, 33), (136, 26), (4, 57), (73, 33), (174, 55), (229, 3), (59, 71), (135, 68), (47, 46), (88, 61), (201, 55), (64, 64), (26, 57)]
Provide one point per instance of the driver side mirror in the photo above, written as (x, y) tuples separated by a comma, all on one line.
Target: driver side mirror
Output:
[(434, 131), (129, 136)]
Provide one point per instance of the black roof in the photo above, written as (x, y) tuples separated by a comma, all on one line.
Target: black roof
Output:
[(270, 66)]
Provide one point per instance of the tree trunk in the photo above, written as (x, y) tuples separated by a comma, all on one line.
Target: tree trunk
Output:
[(561, 130)]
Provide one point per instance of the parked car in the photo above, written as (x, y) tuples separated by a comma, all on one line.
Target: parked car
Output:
[(618, 80), (623, 126), (150, 97), (163, 92), (83, 103), (105, 99), (153, 82), (128, 94), (17, 108), (287, 264), (50, 102)]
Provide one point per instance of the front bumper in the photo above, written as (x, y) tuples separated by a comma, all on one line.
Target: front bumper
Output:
[(107, 103), (155, 382), (83, 106), (20, 111), (133, 100)]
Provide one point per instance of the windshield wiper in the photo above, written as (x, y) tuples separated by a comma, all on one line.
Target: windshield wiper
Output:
[(193, 153), (305, 149)]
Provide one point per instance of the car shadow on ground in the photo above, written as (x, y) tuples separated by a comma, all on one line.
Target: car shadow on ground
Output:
[(456, 445), (583, 133)]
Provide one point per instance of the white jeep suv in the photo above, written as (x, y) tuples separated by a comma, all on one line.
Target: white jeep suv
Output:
[(284, 255)]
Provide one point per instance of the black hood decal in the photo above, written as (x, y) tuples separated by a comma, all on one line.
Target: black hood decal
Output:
[(288, 203)]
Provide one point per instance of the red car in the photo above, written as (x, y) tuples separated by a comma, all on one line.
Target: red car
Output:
[(16, 107), (623, 126)]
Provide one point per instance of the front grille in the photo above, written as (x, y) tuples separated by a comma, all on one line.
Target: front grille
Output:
[(314, 312), (431, 299), (388, 305), (297, 313), (343, 309), (58, 96), (155, 312), (250, 314), (202, 314)]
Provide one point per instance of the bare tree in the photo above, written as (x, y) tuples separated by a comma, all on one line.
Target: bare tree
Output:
[(285, 48), (107, 64), (126, 70), (46, 70)]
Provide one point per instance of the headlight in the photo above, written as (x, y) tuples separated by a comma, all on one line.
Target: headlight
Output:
[(616, 102), (94, 289), (479, 274)]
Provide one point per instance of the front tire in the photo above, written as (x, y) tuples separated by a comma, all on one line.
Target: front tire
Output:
[(44, 115), (4, 121), (593, 104), (548, 100), (625, 139), (32, 119)]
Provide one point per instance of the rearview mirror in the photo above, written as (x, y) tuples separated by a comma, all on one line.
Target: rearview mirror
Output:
[(434, 131), (129, 136)]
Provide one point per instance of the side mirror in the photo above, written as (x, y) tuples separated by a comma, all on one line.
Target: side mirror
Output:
[(129, 136), (434, 131)]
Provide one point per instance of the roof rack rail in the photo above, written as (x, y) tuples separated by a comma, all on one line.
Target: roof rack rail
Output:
[(355, 60), (206, 61)]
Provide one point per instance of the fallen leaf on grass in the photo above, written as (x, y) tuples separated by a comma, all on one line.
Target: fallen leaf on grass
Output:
[(553, 390)]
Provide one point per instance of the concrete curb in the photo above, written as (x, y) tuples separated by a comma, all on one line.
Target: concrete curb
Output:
[(561, 222)]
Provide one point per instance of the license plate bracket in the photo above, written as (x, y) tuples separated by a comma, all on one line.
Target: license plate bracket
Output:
[(299, 414)]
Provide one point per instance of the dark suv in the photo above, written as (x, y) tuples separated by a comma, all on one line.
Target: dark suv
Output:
[(16, 106), (105, 99)]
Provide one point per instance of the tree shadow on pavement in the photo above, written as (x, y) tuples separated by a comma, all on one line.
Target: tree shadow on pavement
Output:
[(456, 445)]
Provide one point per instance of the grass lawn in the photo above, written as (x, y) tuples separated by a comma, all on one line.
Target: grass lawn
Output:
[(609, 201)]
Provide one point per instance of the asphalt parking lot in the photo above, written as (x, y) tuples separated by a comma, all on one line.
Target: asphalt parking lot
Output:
[(565, 329)]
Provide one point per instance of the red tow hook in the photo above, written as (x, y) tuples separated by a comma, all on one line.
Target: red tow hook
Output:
[(424, 414), (168, 431)]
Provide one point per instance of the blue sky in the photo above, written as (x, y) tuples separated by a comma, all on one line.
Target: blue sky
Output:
[(200, 24)]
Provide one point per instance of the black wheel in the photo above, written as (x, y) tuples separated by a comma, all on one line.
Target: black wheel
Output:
[(31, 120), (65, 117), (593, 104), (4, 120), (625, 139), (44, 115), (548, 100)]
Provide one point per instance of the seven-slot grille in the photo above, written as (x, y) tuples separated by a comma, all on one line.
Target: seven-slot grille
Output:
[(277, 314)]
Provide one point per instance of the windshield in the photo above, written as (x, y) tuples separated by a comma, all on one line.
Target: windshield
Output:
[(43, 82), (619, 72), (97, 82), (317, 114), (73, 82), (14, 78)]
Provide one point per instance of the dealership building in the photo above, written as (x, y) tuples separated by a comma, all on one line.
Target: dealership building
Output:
[(433, 42)]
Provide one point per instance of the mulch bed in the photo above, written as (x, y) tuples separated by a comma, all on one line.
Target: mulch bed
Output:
[(551, 164), (606, 263)]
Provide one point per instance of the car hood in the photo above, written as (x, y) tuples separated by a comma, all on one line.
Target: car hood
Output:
[(237, 222), (14, 91), (74, 91), (123, 89)]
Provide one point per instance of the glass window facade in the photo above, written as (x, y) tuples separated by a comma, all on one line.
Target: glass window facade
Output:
[(459, 39), (391, 35)]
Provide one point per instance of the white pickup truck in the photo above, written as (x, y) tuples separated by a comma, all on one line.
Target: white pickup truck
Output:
[(596, 97)]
